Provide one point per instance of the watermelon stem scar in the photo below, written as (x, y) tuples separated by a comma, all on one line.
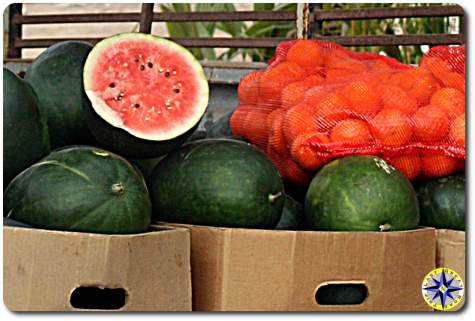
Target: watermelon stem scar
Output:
[(273, 197), (118, 188), (385, 227)]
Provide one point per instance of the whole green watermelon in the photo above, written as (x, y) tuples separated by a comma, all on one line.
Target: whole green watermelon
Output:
[(293, 216), (442, 202), (217, 182), (80, 188), (361, 193), (56, 77), (25, 133)]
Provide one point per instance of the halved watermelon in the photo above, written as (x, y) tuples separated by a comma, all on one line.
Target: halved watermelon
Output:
[(148, 94)]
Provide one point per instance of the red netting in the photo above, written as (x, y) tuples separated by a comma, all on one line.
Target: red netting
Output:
[(317, 101)]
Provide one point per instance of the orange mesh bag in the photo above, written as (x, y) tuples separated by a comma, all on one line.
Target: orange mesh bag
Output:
[(317, 101)]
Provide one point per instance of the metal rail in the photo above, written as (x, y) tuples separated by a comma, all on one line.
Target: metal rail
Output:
[(146, 17), (159, 16), (384, 40), (385, 13)]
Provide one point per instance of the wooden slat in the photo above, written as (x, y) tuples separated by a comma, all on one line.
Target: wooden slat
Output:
[(318, 15), (77, 18), (146, 18), (14, 31), (433, 39), (187, 42), (384, 13), (159, 16), (403, 40)]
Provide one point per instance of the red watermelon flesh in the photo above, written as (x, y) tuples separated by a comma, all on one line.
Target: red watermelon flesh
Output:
[(148, 86)]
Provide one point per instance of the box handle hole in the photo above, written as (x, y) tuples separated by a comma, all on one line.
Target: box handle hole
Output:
[(341, 294), (98, 298)]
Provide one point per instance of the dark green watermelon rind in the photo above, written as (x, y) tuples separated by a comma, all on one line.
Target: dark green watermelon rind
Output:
[(71, 190), (25, 132), (361, 193), (293, 216), (217, 182), (56, 77), (121, 142), (442, 202), (222, 127)]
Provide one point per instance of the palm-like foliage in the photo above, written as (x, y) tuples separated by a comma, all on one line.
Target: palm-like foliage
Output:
[(286, 29)]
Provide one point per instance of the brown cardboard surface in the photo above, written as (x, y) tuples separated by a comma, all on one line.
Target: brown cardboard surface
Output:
[(451, 253), (265, 270), (42, 268)]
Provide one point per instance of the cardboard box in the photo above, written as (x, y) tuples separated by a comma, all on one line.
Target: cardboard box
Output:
[(451, 253), (56, 271), (266, 270)]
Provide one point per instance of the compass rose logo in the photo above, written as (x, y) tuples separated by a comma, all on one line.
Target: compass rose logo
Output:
[(442, 289)]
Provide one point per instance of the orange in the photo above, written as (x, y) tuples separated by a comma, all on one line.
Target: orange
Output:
[(380, 66), (393, 97), (451, 100), (361, 97), (314, 95), (443, 71), (340, 59), (304, 154), (454, 80), (333, 57), (336, 75), (457, 130), (276, 78), (351, 131), (276, 136), (256, 129), (271, 115), (395, 78), (419, 83), (330, 110), (278, 161), (391, 128), (237, 121), (293, 94), (436, 66), (248, 89), (409, 165), (305, 53), (297, 120), (430, 124), (314, 80), (297, 174), (423, 88), (439, 165)]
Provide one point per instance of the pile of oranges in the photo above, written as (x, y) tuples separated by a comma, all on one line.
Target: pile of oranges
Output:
[(317, 101)]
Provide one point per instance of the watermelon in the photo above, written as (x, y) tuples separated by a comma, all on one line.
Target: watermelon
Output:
[(80, 188), (147, 94), (56, 78), (217, 182), (221, 128), (293, 217), (442, 202), (361, 193), (25, 133)]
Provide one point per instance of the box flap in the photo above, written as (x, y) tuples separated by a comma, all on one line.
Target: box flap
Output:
[(266, 270), (153, 268)]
